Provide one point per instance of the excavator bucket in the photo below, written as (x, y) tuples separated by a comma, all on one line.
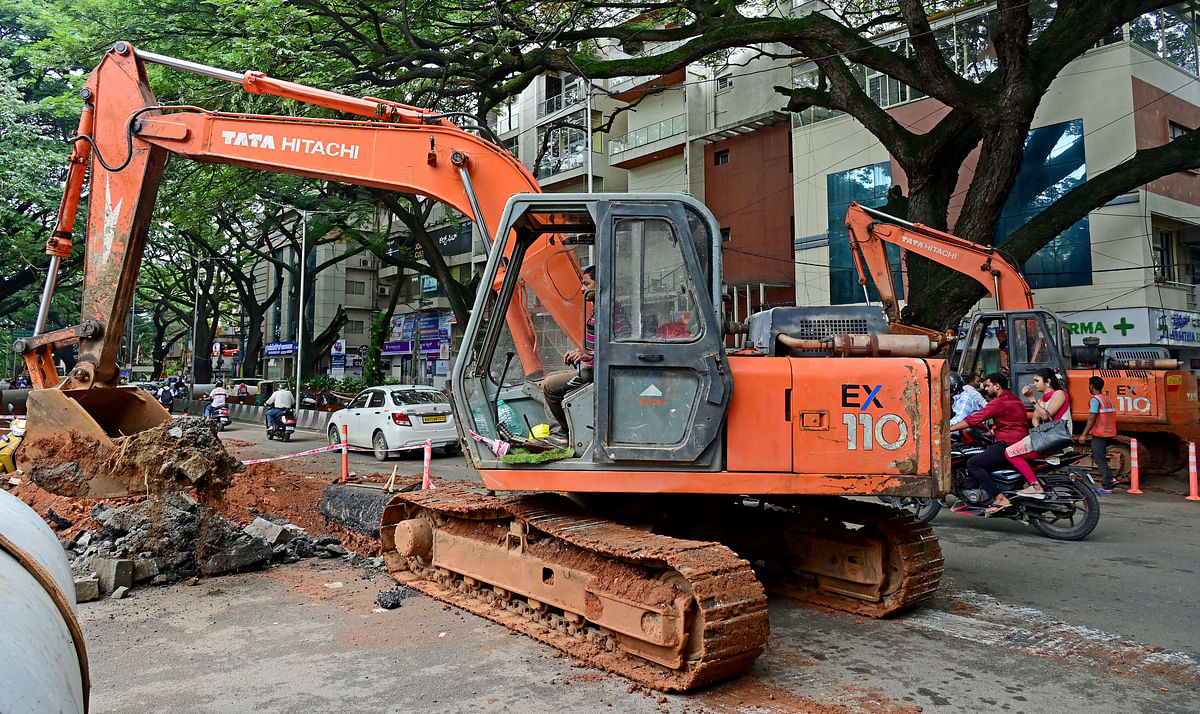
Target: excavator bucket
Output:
[(69, 433)]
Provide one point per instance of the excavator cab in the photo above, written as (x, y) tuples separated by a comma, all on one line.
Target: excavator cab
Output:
[(661, 385), (1016, 343)]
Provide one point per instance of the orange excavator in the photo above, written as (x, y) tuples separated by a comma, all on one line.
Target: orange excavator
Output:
[(694, 480), (1156, 402)]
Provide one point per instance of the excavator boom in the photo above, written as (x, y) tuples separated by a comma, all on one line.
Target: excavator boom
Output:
[(126, 137)]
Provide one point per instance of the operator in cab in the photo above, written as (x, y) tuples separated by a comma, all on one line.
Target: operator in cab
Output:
[(279, 402), (559, 384)]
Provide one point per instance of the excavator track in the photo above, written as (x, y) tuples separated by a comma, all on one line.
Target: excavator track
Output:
[(835, 554), (668, 613)]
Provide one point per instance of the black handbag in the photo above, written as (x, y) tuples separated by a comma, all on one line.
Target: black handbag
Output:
[(1051, 436)]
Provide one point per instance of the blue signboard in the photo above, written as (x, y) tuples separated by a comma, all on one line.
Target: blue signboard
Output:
[(276, 349), (398, 347)]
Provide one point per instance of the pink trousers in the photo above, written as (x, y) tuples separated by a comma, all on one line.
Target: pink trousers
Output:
[(1019, 455)]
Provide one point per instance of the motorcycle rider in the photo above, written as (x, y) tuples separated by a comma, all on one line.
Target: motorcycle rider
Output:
[(218, 395), (967, 400), (1007, 413), (165, 397), (279, 402)]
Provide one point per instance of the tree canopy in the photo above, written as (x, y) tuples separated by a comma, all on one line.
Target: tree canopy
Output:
[(471, 55)]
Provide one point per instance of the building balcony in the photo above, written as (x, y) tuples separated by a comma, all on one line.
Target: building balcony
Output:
[(649, 143), (628, 89), (745, 126), (571, 95), (555, 165)]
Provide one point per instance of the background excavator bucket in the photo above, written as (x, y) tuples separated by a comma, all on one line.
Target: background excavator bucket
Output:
[(59, 421)]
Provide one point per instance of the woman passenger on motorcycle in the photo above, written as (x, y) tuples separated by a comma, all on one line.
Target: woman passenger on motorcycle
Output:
[(1054, 403)]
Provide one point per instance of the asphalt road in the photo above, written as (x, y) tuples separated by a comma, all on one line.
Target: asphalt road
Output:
[(1021, 624)]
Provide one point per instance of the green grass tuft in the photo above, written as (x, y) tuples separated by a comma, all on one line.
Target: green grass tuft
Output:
[(525, 456)]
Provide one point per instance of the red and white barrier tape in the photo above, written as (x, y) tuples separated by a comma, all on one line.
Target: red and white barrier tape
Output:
[(498, 447), (292, 456), (322, 449)]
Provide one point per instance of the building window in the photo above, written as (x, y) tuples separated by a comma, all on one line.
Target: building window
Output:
[(1175, 131), (726, 235), (720, 158), (1162, 248), (565, 149), (356, 287), (869, 186), (1052, 165), (724, 83), (354, 327)]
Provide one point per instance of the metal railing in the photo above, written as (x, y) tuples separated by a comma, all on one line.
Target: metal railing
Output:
[(648, 134), (571, 94)]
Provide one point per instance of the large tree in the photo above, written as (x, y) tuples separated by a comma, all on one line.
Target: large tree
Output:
[(495, 49)]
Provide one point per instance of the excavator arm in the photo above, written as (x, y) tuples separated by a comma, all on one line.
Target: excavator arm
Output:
[(126, 137), (870, 231)]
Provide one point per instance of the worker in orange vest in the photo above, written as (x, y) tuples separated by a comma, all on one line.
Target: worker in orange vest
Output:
[(1101, 427)]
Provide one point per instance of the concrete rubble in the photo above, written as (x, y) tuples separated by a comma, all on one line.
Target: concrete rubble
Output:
[(175, 538)]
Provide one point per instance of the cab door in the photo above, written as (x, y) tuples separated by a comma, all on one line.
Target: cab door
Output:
[(662, 380)]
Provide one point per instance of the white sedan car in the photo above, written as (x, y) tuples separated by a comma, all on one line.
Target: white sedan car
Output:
[(394, 418)]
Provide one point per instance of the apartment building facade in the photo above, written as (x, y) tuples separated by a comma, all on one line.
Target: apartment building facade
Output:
[(1128, 272)]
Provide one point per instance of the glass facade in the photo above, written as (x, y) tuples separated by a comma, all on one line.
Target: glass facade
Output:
[(867, 185), (1053, 164)]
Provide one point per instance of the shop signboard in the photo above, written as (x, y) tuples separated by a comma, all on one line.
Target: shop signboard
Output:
[(430, 345), (452, 240), (398, 347), (277, 349)]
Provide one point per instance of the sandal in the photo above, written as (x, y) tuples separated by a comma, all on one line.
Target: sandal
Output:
[(1027, 493), (993, 510)]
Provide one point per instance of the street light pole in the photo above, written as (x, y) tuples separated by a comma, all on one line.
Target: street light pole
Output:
[(300, 315), (195, 325)]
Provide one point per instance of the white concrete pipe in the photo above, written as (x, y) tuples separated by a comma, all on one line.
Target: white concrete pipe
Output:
[(43, 662)]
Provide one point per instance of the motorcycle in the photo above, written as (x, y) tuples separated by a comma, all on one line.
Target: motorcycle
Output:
[(282, 426), (1069, 511), (220, 417)]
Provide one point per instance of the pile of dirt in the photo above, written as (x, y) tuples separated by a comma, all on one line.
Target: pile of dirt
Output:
[(176, 456), (268, 490)]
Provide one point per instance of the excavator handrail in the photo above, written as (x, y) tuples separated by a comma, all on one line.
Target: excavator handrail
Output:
[(870, 228)]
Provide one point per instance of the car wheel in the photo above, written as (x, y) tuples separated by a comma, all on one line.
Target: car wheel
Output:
[(335, 437), (380, 447)]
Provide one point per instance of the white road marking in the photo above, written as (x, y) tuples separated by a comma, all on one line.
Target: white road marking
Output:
[(1032, 631)]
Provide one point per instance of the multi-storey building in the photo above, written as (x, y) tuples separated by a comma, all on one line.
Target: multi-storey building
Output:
[(1127, 272)]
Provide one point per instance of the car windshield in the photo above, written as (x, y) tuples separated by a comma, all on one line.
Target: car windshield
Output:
[(405, 397)]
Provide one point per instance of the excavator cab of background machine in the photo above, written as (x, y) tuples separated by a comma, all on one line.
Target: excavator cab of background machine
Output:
[(1017, 343)]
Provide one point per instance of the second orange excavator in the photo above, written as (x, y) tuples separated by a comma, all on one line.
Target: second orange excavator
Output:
[(1156, 401)]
